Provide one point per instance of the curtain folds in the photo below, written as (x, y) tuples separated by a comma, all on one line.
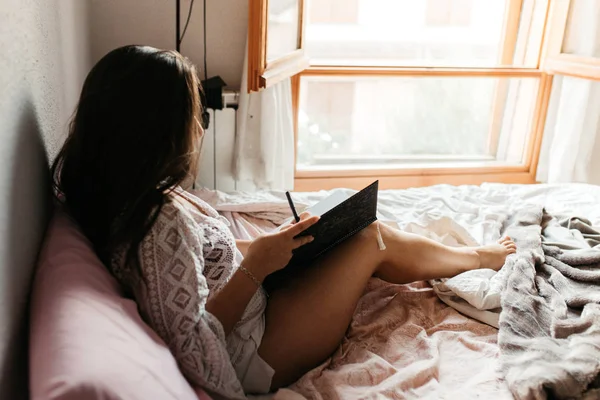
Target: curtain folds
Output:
[(264, 148)]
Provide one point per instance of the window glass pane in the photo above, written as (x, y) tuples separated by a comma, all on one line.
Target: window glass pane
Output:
[(583, 28), (369, 122), (470, 33), (282, 28)]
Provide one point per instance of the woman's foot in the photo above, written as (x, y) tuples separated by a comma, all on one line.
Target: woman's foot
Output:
[(493, 256)]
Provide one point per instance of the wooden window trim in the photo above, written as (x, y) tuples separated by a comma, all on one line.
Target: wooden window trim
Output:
[(401, 182), (472, 168), (539, 122), (257, 40), (295, 82), (512, 19), (323, 70), (573, 65)]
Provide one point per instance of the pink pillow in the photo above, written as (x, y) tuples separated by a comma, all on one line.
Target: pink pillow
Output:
[(87, 341)]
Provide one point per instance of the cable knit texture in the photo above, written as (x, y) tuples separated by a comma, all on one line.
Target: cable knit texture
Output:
[(188, 256)]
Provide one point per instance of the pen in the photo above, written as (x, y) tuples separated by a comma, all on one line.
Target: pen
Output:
[(289, 198)]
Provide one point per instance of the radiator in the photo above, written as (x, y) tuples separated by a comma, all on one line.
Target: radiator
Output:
[(216, 157)]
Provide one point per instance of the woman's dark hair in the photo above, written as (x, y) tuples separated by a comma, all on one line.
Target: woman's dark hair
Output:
[(134, 137)]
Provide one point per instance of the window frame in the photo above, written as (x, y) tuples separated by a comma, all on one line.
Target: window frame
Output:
[(549, 62)]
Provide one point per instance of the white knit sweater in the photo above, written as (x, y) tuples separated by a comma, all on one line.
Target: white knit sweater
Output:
[(188, 256)]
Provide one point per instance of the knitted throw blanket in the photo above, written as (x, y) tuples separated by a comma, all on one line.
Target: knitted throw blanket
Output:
[(549, 333)]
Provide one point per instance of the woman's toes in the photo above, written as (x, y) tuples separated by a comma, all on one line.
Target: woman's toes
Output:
[(504, 239), (510, 246)]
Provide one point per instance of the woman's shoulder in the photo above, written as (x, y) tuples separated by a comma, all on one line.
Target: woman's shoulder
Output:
[(176, 224), (171, 211), (196, 203), (183, 211)]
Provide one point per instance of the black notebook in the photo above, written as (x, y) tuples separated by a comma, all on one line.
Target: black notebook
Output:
[(336, 225)]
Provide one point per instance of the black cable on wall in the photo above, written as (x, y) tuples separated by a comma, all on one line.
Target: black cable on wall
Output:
[(179, 39), (205, 47)]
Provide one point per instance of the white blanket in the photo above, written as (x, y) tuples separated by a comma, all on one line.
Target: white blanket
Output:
[(463, 215)]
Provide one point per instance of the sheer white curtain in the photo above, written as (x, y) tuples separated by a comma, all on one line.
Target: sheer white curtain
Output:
[(571, 145), (264, 148)]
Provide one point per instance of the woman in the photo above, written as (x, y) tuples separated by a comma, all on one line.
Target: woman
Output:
[(133, 141)]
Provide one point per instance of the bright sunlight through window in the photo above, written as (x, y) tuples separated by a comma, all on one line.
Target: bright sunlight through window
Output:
[(463, 91)]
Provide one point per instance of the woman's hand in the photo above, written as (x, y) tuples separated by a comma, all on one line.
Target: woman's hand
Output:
[(303, 216), (269, 253), (265, 254)]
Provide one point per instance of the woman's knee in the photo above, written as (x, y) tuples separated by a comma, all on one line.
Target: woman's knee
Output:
[(378, 234), (372, 240), (373, 229)]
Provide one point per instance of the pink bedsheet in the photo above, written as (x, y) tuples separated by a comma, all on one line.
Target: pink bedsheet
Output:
[(403, 343)]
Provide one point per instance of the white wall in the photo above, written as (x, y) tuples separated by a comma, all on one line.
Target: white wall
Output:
[(43, 59), (117, 23)]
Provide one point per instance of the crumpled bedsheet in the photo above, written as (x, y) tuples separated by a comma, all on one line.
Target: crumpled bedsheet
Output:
[(404, 343)]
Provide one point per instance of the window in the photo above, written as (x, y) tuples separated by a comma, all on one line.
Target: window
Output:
[(333, 100), (335, 12), (448, 12), (575, 48), (399, 121), (269, 61), (422, 92), (283, 28), (424, 33)]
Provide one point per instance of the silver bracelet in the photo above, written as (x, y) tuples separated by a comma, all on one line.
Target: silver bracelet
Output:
[(251, 276)]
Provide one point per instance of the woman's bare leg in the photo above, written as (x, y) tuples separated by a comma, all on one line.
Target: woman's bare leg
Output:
[(413, 258), (307, 319)]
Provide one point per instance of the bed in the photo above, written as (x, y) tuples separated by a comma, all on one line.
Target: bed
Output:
[(404, 342)]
